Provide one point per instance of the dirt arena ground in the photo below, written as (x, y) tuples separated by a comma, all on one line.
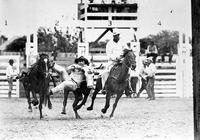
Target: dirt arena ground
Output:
[(135, 119)]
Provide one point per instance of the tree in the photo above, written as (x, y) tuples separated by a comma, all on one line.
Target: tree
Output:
[(17, 45), (46, 41), (160, 40), (56, 40)]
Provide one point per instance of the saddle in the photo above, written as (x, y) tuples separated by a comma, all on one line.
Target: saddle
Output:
[(115, 71)]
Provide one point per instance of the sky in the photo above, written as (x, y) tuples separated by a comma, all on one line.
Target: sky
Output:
[(154, 15)]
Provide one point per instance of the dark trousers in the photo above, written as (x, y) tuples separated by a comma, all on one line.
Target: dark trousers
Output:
[(154, 55), (10, 84), (143, 87), (150, 87), (133, 82)]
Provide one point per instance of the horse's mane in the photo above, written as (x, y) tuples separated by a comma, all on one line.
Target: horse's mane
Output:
[(125, 51), (119, 72)]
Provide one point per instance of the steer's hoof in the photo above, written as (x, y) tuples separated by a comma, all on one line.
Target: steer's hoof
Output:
[(63, 112), (50, 106), (89, 108), (103, 110)]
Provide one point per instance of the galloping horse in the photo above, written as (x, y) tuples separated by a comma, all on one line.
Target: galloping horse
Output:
[(116, 82), (37, 80)]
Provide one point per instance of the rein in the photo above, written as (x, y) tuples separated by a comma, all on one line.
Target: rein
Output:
[(126, 63)]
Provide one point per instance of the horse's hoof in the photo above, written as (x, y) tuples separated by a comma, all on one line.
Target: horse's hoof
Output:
[(111, 117), (102, 115), (63, 113), (30, 110), (103, 110), (89, 108), (78, 117), (50, 106)]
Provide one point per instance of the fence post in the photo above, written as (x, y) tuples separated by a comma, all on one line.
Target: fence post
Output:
[(184, 67), (188, 69), (179, 77)]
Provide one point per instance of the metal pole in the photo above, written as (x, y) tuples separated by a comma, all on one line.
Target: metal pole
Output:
[(196, 66)]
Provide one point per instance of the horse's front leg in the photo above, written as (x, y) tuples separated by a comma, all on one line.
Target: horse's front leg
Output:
[(47, 95), (96, 91), (115, 104), (108, 95), (35, 100), (66, 93), (27, 92), (40, 105), (86, 94), (49, 102)]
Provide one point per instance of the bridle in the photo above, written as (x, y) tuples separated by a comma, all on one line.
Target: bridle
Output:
[(46, 68), (44, 63), (129, 62)]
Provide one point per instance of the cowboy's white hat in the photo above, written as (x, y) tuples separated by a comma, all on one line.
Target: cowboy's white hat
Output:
[(115, 32)]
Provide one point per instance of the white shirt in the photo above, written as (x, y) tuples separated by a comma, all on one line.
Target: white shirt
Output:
[(143, 72), (64, 75), (77, 73), (10, 71), (151, 70), (114, 50), (133, 73)]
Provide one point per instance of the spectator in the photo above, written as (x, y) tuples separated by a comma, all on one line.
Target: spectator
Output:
[(11, 74), (150, 71), (54, 54), (167, 51), (143, 76), (152, 51)]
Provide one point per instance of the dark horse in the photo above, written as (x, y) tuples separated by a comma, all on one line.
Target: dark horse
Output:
[(82, 90), (37, 80), (116, 82)]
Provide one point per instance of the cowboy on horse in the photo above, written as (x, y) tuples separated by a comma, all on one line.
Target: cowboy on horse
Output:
[(116, 75), (114, 51)]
